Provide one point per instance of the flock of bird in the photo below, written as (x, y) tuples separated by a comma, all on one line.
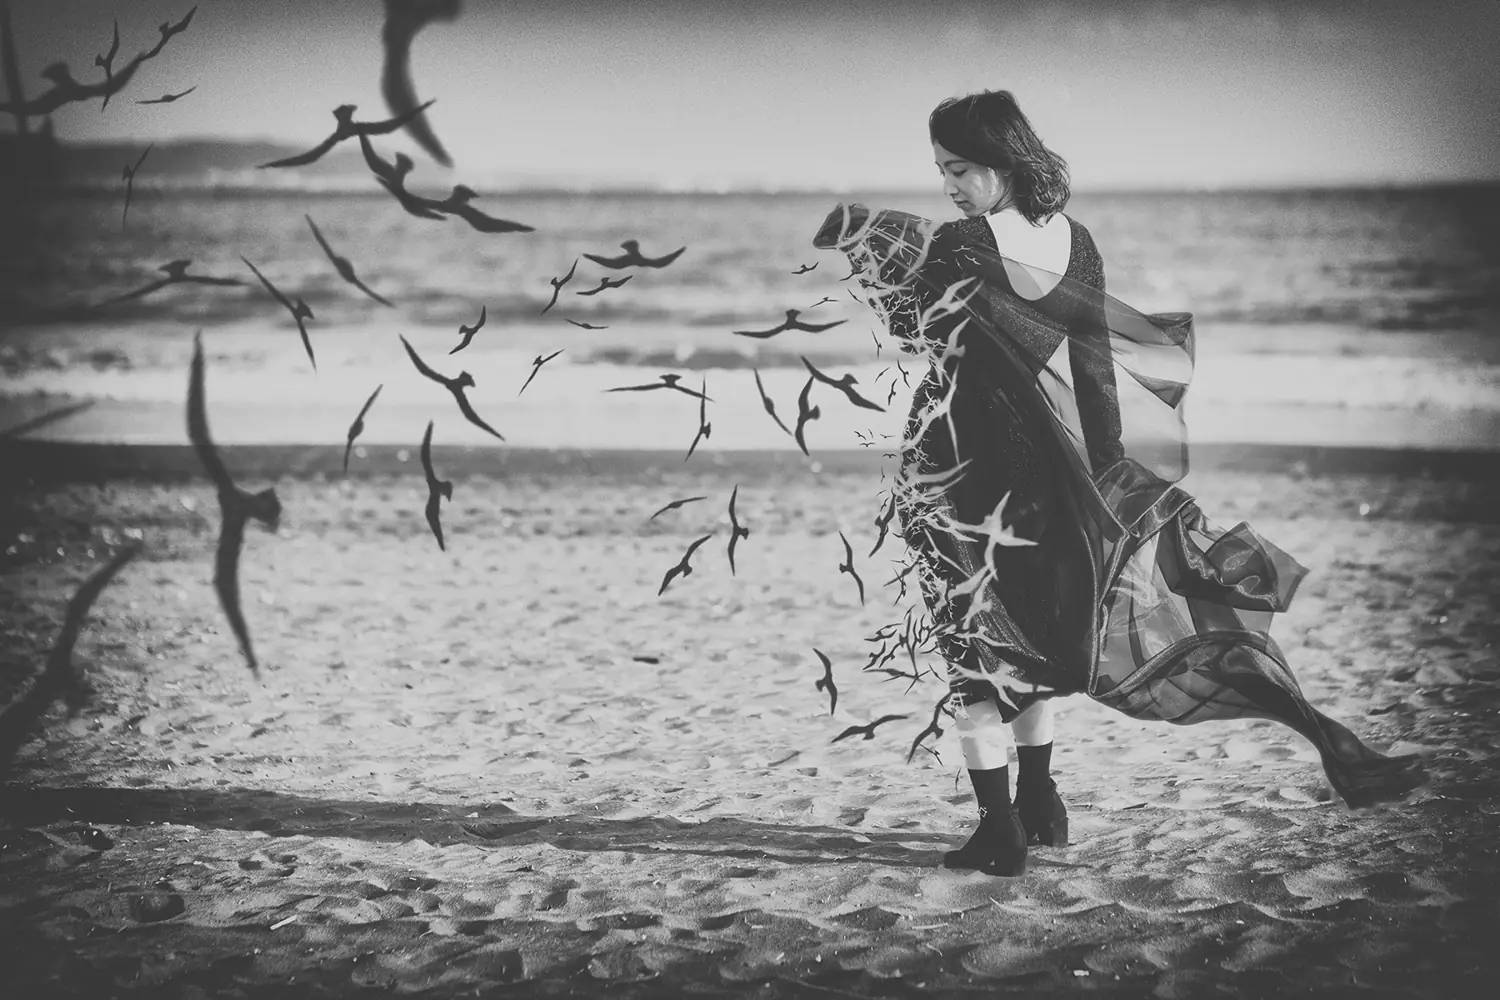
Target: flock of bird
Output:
[(404, 18)]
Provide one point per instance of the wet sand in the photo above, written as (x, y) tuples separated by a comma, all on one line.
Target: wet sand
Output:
[(512, 769)]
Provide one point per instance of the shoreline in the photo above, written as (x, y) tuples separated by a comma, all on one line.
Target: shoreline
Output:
[(57, 461)]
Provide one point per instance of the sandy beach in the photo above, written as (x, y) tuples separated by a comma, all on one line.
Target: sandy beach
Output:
[(513, 769)]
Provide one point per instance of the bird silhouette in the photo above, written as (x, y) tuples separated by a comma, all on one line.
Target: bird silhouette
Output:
[(106, 62), (790, 323), (467, 332), (674, 505), (668, 381), (236, 507), (736, 530), (536, 366), (168, 31), (826, 682), (557, 284), (844, 385), (403, 19), (805, 268), (587, 326), (847, 566), (632, 257), (176, 273), (345, 127), (437, 489), (392, 177), (825, 300), (883, 522), (705, 429), (682, 568), (457, 203), (868, 729), (765, 401), (933, 729), (806, 412), (456, 386), (58, 676), (169, 98), (358, 427), (605, 283), (342, 265), (300, 311), (128, 176)]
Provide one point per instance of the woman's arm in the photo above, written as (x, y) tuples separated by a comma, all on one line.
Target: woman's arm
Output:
[(1094, 385)]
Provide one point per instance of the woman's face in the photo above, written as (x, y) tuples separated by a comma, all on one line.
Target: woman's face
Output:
[(974, 188)]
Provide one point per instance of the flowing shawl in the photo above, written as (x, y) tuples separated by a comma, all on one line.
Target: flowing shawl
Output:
[(1177, 609)]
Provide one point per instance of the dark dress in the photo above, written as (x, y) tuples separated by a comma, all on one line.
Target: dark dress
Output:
[(1042, 592), (1112, 581)]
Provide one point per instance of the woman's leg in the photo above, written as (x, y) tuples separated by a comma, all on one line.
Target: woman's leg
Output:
[(1041, 809), (998, 847)]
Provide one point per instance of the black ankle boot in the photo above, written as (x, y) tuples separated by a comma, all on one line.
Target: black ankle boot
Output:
[(1038, 805), (998, 847)]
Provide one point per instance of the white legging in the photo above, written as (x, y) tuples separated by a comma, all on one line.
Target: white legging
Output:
[(986, 740)]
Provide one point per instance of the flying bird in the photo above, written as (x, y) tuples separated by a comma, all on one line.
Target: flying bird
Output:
[(128, 176), (342, 265), (587, 326), (176, 273), (455, 385), (844, 385), (606, 283), (457, 203), (392, 177), (766, 402), (169, 98), (668, 381), (437, 489), (847, 566), (106, 62), (674, 505), (300, 311), (868, 730), (682, 568), (805, 268), (168, 30), (236, 507), (933, 729), (883, 522), (826, 683), (705, 429), (736, 530), (632, 257), (403, 19), (825, 300), (358, 427), (557, 284), (467, 332), (805, 413), (790, 323), (345, 128), (536, 366)]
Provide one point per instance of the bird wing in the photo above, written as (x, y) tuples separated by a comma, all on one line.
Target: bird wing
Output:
[(227, 579), (472, 417), (137, 293), (371, 292), (318, 235), (301, 159), (270, 287), (762, 334), (197, 421), (391, 124), (615, 263), (661, 261), (421, 365), (403, 19)]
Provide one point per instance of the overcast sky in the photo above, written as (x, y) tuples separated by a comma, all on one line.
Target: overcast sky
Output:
[(1136, 93)]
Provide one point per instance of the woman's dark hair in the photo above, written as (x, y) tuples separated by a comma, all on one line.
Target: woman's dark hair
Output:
[(989, 129)]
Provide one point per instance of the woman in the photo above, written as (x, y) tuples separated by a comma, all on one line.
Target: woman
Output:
[(1036, 492)]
